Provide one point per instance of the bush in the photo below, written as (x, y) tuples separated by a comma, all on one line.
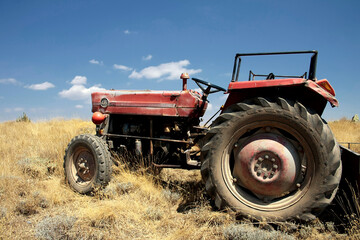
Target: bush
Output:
[(23, 118), (172, 197), (245, 232), (55, 227), (37, 167), (153, 214)]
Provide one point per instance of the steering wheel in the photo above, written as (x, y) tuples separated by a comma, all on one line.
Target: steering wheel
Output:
[(210, 85)]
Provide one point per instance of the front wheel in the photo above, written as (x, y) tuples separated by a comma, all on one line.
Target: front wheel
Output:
[(87, 163), (272, 159)]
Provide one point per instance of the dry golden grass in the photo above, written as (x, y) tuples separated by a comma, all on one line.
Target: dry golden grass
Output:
[(35, 202), (347, 131)]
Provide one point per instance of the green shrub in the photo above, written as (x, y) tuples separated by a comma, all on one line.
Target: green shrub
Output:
[(23, 118)]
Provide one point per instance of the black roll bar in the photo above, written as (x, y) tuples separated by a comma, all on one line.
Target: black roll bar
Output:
[(312, 68)]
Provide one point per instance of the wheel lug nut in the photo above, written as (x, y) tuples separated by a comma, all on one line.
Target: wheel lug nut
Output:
[(257, 165), (260, 159), (273, 159), (236, 145), (275, 166), (266, 175), (266, 156), (298, 185)]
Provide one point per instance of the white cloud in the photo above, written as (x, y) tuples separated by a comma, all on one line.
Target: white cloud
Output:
[(17, 109), (79, 106), (93, 61), (126, 32), (147, 58), (41, 86), (79, 80), (38, 110), (10, 81), (122, 67), (78, 91), (168, 71)]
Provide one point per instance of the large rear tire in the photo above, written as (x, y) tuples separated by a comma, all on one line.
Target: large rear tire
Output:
[(271, 159), (87, 163)]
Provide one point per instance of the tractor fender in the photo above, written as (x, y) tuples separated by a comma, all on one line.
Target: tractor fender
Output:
[(321, 91), (310, 93)]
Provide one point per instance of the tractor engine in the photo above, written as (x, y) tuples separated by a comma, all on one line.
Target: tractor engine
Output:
[(164, 124), (166, 138)]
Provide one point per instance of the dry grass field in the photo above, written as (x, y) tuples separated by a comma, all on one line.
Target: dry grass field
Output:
[(35, 202), (347, 131)]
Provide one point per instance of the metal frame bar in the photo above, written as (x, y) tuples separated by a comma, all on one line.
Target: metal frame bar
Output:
[(312, 68), (146, 138), (349, 143), (253, 75)]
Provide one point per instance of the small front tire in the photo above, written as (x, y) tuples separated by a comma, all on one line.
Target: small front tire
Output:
[(87, 163)]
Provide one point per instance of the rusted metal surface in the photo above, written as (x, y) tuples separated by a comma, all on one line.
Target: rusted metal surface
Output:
[(166, 165), (154, 103), (84, 164), (184, 77), (267, 164), (265, 83), (307, 92), (147, 138), (151, 150), (283, 83)]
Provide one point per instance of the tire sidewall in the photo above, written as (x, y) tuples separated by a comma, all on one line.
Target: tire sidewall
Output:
[(233, 128), (82, 141)]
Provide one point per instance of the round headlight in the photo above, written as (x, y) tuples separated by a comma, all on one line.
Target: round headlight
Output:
[(104, 102)]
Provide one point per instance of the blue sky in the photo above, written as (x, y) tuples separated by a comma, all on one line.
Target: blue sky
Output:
[(54, 53)]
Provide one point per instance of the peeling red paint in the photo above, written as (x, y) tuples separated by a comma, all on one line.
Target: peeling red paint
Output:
[(154, 103)]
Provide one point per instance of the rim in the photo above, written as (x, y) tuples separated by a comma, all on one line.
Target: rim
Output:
[(82, 165), (266, 165)]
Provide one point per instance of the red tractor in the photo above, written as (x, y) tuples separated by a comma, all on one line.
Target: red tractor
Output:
[(269, 154)]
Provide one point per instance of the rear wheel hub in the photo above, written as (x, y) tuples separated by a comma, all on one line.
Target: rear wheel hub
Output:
[(267, 164)]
